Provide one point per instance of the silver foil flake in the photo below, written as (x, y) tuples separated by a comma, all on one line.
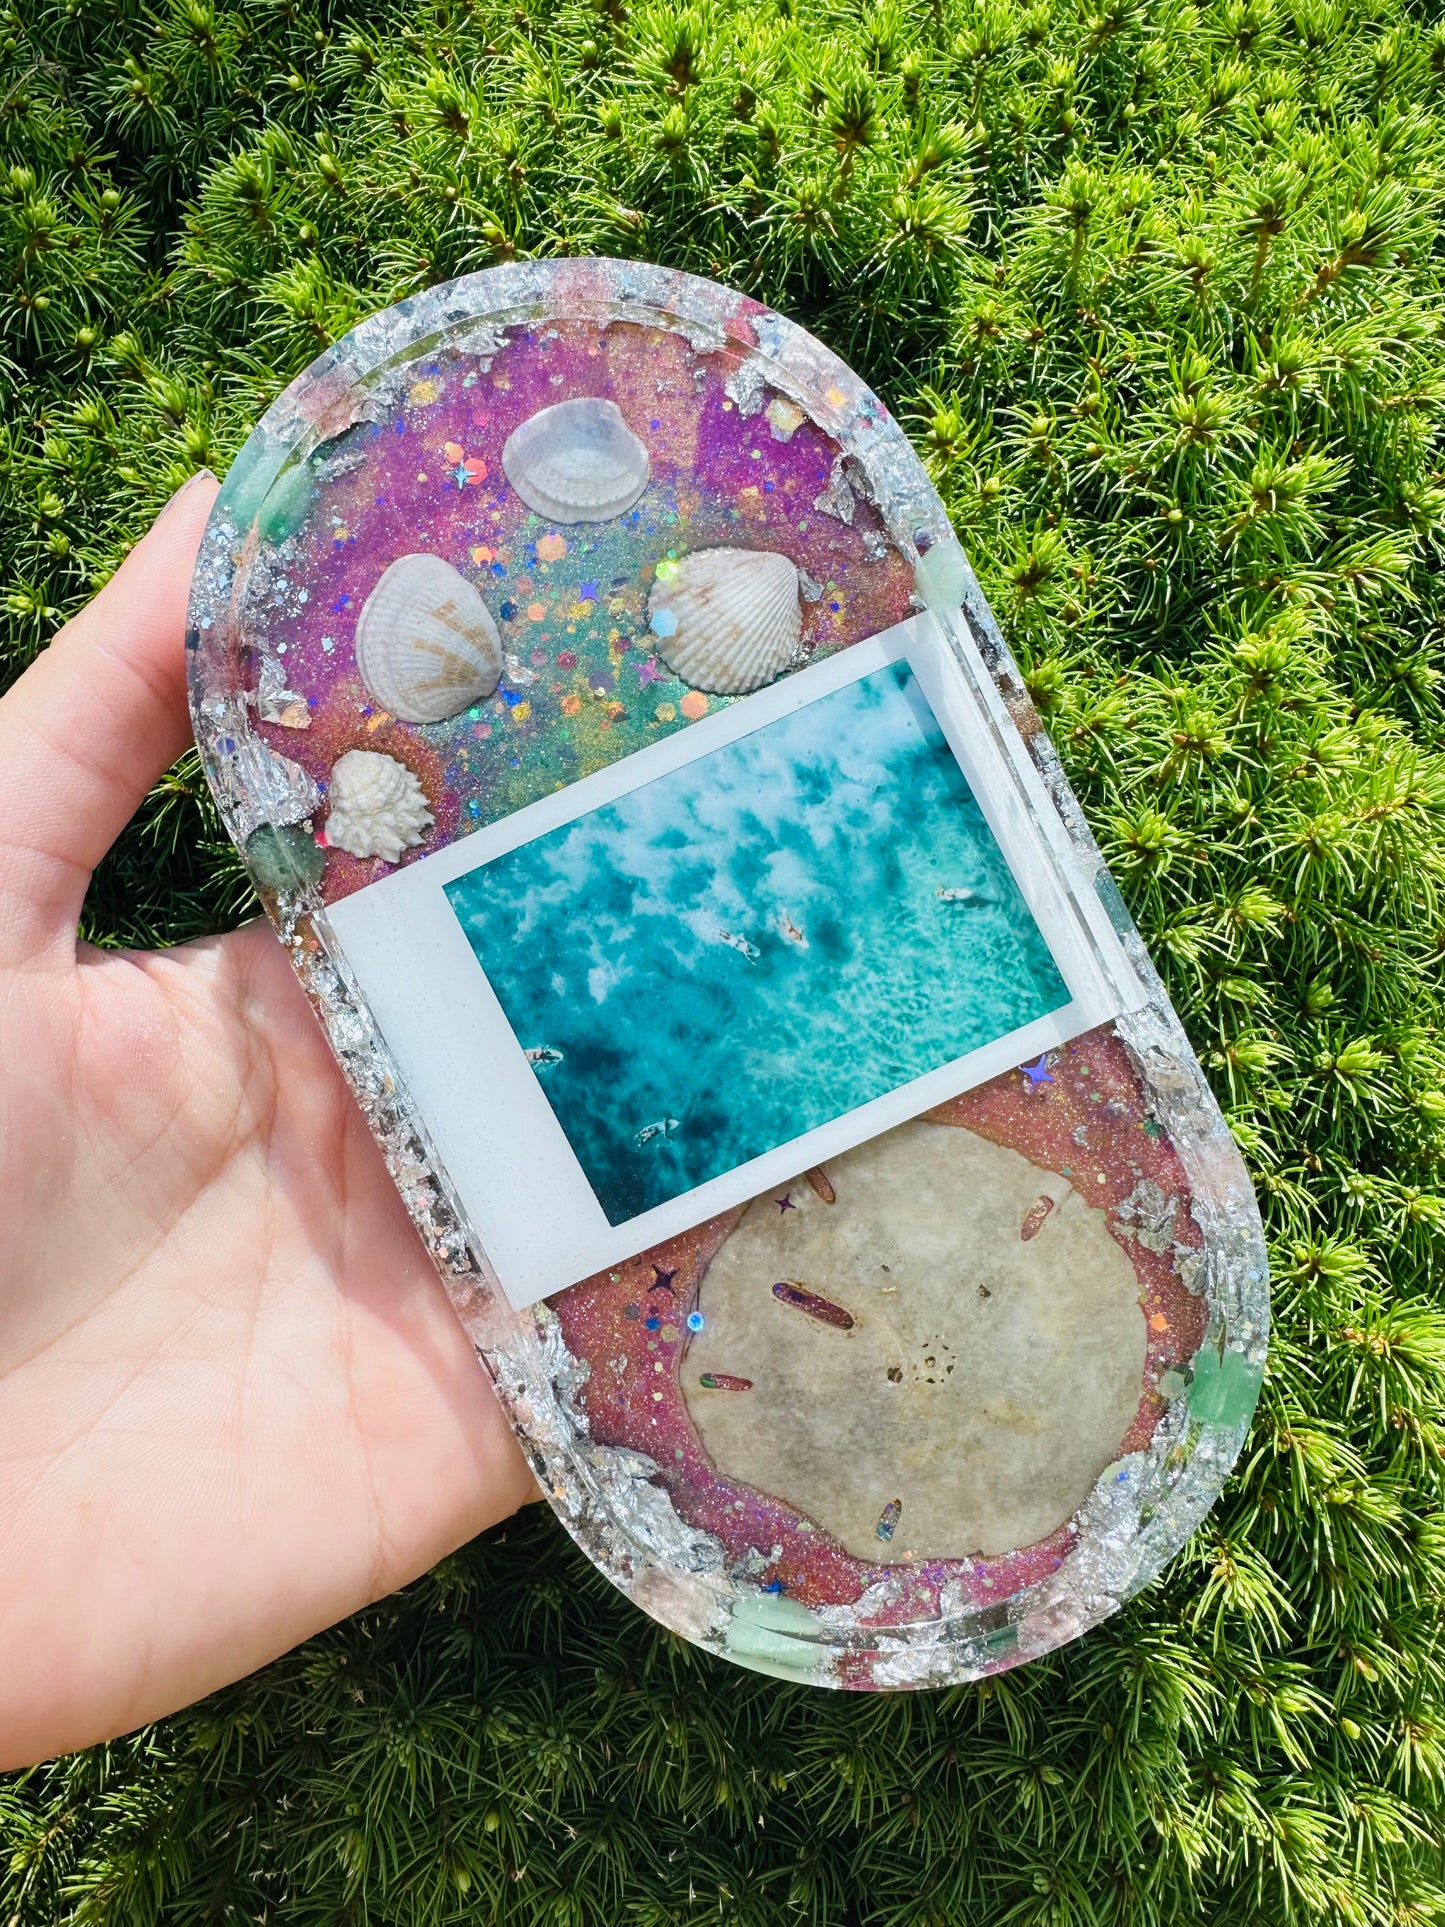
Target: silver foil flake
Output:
[(752, 1565), (1189, 1268), (567, 1374), (275, 703), (338, 458), (484, 342), (875, 1603), (747, 386), (257, 786), (641, 1505), (837, 498), (1148, 1215), (899, 1665)]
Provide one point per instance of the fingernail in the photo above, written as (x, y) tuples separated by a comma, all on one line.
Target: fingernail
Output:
[(201, 475)]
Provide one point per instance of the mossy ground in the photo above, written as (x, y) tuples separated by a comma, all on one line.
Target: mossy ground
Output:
[(1158, 288)]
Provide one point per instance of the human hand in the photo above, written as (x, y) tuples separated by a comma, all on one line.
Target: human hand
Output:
[(234, 1402)]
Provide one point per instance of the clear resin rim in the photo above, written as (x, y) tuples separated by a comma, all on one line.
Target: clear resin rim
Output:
[(1146, 1502)]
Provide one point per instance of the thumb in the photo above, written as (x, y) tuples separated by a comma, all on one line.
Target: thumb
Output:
[(89, 727)]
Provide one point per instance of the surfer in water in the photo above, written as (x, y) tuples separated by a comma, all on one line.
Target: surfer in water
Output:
[(946, 895), (664, 1127), (740, 944), (541, 1055), (790, 930)]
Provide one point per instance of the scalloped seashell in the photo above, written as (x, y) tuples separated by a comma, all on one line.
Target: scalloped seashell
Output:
[(577, 461), (728, 620), (377, 806), (426, 646)]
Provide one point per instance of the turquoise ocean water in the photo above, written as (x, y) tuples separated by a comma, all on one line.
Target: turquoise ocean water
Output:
[(746, 948)]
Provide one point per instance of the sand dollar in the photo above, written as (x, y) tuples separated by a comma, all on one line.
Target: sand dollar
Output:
[(993, 1364)]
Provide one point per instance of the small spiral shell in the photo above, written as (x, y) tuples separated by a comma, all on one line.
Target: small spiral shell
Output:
[(377, 806)]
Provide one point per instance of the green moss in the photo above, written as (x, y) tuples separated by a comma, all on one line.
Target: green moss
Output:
[(1156, 285)]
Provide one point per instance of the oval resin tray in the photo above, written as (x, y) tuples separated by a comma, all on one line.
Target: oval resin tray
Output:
[(621, 745)]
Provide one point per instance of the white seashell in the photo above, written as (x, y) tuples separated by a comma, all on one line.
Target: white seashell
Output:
[(426, 646), (377, 806), (728, 620), (577, 461)]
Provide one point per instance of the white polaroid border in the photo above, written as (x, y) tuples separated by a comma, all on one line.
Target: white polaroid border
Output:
[(504, 1151)]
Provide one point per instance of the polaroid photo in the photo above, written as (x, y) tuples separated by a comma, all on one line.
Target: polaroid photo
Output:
[(715, 964)]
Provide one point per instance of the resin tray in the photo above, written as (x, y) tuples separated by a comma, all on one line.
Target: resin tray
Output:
[(913, 1408)]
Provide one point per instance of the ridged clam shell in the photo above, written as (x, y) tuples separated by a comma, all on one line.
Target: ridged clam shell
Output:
[(426, 646), (576, 461), (377, 806), (728, 620)]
